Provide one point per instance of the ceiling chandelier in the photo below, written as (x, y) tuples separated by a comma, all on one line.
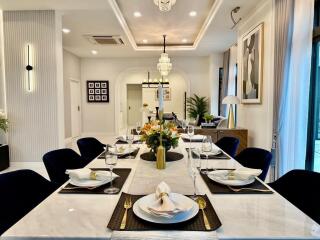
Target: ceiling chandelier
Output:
[(164, 5), (164, 66)]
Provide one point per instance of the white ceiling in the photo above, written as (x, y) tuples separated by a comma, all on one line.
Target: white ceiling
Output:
[(97, 17)]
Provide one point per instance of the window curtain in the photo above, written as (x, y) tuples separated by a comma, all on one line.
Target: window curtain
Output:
[(293, 47), (225, 78)]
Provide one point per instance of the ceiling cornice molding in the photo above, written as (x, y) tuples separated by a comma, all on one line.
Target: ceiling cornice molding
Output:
[(213, 11)]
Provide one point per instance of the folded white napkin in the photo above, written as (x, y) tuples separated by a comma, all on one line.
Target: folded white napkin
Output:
[(164, 206), (214, 151), (194, 137), (88, 174), (241, 173)]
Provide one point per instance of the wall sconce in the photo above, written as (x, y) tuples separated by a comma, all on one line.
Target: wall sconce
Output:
[(29, 68)]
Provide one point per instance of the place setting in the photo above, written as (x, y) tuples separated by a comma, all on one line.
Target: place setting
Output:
[(164, 210), (242, 180), (132, 136), (108, 180)]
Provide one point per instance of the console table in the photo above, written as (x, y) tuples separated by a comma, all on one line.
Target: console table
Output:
[(4, 157)]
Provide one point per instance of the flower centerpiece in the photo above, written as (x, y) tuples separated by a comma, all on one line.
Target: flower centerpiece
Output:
[(3, 122), (152, 131)]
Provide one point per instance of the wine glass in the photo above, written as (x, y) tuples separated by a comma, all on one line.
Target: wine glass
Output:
[(111, 162), (130, 138), (184, 125), (190, 134), (206, 149), (138, 128), (194, 165)]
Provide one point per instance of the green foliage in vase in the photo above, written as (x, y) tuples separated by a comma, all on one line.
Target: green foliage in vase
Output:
[(3, 122), (197, 106)]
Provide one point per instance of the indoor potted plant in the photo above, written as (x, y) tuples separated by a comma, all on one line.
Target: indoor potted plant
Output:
[(4, 149), (197, 107), (3, 123), (208, 117)]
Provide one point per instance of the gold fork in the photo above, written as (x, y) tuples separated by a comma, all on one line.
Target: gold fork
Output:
[(127, 205), (252, 189)]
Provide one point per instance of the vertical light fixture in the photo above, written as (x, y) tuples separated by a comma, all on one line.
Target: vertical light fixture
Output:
[(29, 67), (164, 66), (164, 5)]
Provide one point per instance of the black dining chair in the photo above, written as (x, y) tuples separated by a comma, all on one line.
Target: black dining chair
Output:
[(58, 161), (20, 192), (255, 158), (301, 188), (228, 145), (90, 148)]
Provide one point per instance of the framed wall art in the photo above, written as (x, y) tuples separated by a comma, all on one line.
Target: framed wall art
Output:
[(97, 91), (166, 94), (252, 65)]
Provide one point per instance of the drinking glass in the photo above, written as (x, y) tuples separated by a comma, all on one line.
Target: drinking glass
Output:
[(194, 165), (111, 162), (130, 138), (138, 128), (184, 125), (206, 149), (190, 134)]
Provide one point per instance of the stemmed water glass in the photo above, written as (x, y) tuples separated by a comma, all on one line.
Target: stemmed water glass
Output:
[(206, 149), (111, 162), (190, 134), (130, 138), (184, 125), (194, 166), (138, 128)]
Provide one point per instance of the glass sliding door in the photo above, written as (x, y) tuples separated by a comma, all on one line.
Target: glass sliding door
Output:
[(313, 149)]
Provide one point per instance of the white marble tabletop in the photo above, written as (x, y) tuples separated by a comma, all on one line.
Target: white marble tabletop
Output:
[(85, 216)]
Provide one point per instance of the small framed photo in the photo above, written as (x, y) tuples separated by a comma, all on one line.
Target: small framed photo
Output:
[(103, 91), (97, 91), (105, 98), (103, 85), (91, 98), (97, 98), (91, 91), (97, 85), (90, 85)]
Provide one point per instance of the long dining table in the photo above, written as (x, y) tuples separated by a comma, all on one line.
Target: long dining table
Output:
[(243, 216)]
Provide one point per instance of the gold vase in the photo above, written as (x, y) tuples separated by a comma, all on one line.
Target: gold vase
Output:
[(161, 152)]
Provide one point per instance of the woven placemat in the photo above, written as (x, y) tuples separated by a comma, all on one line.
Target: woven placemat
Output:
[(126, 156), (117, 182), (217, 188), (136, 224), (220, 156), (170, 156)]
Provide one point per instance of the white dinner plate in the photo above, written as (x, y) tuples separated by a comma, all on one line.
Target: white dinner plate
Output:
[(122, 150), (90, 182), (197, 137), (140, 211), (233, 183)]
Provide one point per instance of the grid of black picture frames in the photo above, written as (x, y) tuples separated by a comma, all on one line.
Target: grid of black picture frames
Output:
[(98, 91)]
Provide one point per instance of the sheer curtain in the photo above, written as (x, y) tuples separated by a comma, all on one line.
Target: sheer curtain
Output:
[(292, 81)]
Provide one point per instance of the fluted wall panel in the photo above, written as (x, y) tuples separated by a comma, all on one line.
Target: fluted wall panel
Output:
[(33, 115)]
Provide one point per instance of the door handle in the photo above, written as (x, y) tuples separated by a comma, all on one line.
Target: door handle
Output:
[(129, 108), (79, 108)]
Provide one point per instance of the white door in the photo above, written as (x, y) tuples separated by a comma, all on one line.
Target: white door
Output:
[(134, 104), (75, 99)]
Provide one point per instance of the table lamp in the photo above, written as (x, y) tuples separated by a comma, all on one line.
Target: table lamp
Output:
[(230, 100)]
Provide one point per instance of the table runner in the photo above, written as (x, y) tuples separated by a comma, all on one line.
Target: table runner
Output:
[(117, 182), (216, 188), (136, 224)]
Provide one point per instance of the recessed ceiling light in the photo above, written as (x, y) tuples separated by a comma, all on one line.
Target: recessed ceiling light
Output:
[(66, 30), (192, 13), (184, 40), (94, 52), (145, 40), (137, 14)]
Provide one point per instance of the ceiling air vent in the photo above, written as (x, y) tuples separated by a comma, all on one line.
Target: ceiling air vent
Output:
[(105, 40)]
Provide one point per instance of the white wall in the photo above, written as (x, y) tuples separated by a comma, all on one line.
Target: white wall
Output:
[(98, 118), (257, 118), (36, 118), (71, 72)]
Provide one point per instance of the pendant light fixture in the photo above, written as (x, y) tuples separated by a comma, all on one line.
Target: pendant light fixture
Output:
[(164, 66), (164, 5)]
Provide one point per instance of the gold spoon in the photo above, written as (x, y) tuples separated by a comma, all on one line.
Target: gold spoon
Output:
[(202, 205)]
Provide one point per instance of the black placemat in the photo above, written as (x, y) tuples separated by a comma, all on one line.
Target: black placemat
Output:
[(217, 188), (125, 142), (170, 156), (136, 224), (220, 156), (125, 156), (192, 140), (117, 182)]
